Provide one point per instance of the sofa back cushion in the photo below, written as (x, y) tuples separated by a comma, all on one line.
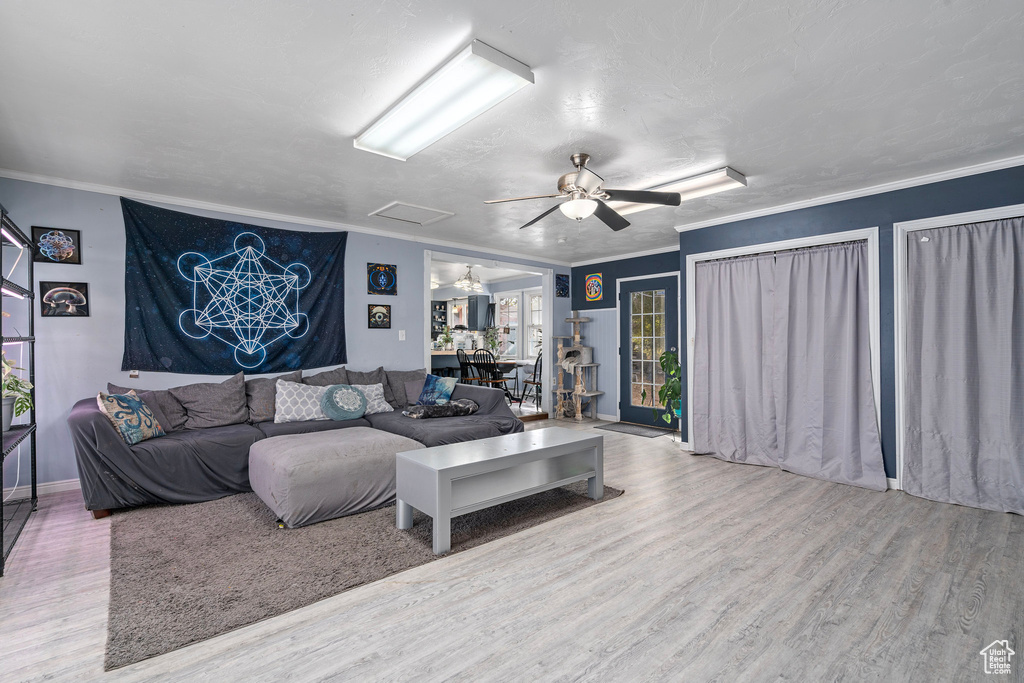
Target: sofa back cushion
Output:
[(168, 410), (397, 380), (213, 405), (370, 377), (260, 392), (326, 378)]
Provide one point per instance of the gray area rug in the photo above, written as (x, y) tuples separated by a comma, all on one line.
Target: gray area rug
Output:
[(636, 430), (184, 573)]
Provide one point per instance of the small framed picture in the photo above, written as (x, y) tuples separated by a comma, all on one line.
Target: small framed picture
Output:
[(63, 299), (379, 317), (381, 278), (561, 286), (53, 245)]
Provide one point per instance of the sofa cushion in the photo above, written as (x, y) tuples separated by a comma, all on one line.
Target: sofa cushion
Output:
[(281, 428), (375, 402), (343, 402), (213, 405), (397, 380), (168, 410), (132, 418), (449, 430), (436, 391), (260, 394), (327, 378), (296, 402), (377, 376)]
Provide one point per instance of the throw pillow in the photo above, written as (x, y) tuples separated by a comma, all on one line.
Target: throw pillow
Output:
[(213, 405), (132, 418), (377, 376), (455, 408), (375, 402), (397, 380), (326, 378), (295, 402), (168, 410), (260, 393), (343, 402), (436, 391)]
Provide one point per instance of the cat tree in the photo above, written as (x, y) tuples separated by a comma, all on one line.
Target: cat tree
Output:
[(583, 374)]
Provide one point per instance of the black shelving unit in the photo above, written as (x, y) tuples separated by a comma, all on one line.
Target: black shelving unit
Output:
[(16, 512), (438, 318)]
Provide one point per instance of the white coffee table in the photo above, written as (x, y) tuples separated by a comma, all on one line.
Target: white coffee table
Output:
[(448, 481)]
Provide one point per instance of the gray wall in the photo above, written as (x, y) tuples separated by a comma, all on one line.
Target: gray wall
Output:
[(78, 356)]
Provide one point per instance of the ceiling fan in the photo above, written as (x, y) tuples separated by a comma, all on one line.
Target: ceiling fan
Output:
[(582, 188)]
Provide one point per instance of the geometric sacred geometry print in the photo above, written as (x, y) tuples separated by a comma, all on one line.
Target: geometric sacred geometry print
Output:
[(244, 299)]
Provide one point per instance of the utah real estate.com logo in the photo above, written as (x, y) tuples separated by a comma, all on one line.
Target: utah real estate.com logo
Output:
[(997, 657)]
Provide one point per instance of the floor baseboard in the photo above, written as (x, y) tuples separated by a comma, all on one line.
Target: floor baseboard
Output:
[(43, 489)]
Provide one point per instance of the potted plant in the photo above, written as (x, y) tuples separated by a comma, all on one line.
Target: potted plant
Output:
[(671, 392), (491, 339), (17, 396), (446, 337)]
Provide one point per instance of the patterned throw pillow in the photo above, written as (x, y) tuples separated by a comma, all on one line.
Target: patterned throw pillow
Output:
[(132, 418), (375, 402), (436, 391), (343, 402), (455, 408), (295, 402)]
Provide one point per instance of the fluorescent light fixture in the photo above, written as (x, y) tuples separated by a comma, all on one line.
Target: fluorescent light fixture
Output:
[(467, 85), (10, 292), (10, 238), (690, 188), (578, 208)]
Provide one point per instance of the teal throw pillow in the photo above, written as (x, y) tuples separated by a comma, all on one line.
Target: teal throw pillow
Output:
[(343, 402), (436, 391), (132, 418)]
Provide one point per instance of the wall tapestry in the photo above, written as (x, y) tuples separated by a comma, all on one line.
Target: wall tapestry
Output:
[(379, 317), (50, 245), (561, 286), (209, 296), (592, 287), (381, 278), (64, 299)]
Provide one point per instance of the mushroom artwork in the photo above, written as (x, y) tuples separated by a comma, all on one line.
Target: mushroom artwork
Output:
[(66, 297)]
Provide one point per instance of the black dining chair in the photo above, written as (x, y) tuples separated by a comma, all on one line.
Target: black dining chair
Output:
[(534, 382), (467, 374), (489, 374)]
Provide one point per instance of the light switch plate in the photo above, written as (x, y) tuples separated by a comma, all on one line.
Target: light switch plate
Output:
[(134, 374), (401, 335)]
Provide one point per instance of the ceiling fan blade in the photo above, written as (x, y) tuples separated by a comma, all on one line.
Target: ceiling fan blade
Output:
[(610, 218), (542, 215), (644, 197), (587, 180), (519, 199)]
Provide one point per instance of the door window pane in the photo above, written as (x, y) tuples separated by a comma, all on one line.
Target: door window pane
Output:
[(647, 343)]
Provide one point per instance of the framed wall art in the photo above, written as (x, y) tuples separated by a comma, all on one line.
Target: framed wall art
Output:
[(381, 278), (63, 299), (593, 287), (561, 286), (53, 245), (379, 317)]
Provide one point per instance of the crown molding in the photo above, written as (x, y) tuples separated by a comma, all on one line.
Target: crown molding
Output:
[(264, 215), (917, 181), (634, 254)]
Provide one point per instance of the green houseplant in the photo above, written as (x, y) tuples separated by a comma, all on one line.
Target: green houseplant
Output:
[(491, 339), (17, 393), (671, 392), (446, 337)]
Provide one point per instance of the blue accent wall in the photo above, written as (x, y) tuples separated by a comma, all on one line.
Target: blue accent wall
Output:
[(667, 262), (973, 193)]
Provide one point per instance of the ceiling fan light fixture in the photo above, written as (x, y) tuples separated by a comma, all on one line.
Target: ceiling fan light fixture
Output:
[(464, 87), (701, 185), (578, 208)]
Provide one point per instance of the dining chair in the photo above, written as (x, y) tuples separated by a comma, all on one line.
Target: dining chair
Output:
[(535, 381), (488, 373), (466, 369)]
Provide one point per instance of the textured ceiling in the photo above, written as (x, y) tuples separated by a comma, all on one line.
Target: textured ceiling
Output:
[(255, 104), (445, 273)]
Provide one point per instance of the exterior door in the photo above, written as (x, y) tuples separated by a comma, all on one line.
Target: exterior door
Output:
[(648, 325)]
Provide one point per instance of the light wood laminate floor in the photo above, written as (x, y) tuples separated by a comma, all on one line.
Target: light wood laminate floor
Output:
[(703, 570)]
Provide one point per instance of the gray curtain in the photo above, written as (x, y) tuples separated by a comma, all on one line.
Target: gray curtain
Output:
[(964, 391), (782, 364)]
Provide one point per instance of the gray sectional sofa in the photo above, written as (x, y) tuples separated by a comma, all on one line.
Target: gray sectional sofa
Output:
[(191, 465)]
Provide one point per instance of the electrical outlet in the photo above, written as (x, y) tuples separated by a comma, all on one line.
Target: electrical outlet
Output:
[(134, 374), (401, 335)]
